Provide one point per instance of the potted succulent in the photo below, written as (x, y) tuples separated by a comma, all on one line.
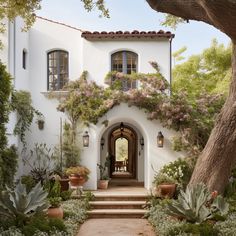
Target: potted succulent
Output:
[(104, 179), (78, 175), (40, 121), (54, 190), (164, 185)]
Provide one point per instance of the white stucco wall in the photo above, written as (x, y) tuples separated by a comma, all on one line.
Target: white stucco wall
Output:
[(152, 155), (97, 56)]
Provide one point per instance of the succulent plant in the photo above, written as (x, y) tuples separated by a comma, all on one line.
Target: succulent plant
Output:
[(15, 203), (195, 205)]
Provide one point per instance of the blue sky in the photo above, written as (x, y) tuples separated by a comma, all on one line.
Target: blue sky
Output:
[(131, 15)]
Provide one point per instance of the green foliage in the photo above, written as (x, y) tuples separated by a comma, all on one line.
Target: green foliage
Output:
[(40, 161), (180, 170), (66, 195), (227, 227), (196, 205), (28, 181), (43, 224), (203, 229), (5, 91), (70, 149), (204, 72), (8, 156), (19, 205), (162, 178), (89, 5), (104, 168), (8, 167), (172, 21), (21, 103), (53, 188)]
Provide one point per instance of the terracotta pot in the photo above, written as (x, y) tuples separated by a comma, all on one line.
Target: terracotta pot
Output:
[(64, 184), (103, 184), (165, 190), (76, 180), (55, 212)]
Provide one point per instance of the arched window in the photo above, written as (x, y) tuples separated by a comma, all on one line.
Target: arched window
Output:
[(125, 62), (58, 72)]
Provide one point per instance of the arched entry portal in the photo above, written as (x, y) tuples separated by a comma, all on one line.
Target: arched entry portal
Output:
[(123, 150)]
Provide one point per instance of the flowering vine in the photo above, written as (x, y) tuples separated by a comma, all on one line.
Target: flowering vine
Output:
[(87, 102)]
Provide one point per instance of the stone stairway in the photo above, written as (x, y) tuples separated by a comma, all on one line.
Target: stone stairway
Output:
[(118, 205)]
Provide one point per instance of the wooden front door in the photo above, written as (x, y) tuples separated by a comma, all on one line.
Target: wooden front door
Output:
[(123, 150)]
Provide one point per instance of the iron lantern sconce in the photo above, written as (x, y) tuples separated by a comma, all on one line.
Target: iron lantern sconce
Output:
[(86, 139), (122, 126), (160, 140), (102, 142), (142, 142)]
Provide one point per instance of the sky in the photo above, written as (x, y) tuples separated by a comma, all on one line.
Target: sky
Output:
[(131, 15)]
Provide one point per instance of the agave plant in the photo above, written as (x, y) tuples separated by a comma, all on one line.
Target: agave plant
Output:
[(18, 204), (195, 204)]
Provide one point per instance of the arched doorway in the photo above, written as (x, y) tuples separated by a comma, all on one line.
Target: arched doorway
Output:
[(123, 150)]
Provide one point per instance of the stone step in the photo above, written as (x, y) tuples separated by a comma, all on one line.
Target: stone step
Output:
[(120, 197), (117, 204), (116, 213), (125, 182)]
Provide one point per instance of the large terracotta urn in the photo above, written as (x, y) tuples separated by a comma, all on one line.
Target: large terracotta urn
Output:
[(77, 180), (55, 212), (165, 190)]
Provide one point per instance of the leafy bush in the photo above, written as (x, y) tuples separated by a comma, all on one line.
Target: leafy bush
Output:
[(162, 178), (43, 224), (197, 205), (180, 170), (65, 195), (8, 166), (28, 181), (203, 229), (227, 227)]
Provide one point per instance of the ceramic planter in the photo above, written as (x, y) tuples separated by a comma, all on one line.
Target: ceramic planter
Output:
[(55, 212), (103, 184), (76, 180), (165, 190)]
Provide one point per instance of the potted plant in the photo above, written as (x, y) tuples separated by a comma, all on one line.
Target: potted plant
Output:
[(78, 175), (164, 185), (53, 188), (104, 179), (55, 210)]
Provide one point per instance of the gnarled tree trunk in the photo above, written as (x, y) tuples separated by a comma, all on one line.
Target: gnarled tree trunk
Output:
[(219, 155)]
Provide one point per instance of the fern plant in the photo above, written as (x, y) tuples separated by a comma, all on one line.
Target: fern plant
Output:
[(197, 205), (19, 205)]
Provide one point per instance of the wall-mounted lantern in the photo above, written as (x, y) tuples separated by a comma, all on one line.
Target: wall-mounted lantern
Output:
[(86, 139), (141, 142), (122, 126), (102, 142), (160, 139)]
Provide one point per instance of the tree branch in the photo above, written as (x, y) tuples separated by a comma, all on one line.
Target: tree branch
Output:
[(219, 13)]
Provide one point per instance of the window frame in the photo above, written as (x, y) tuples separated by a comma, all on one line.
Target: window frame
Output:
[(124, 53), (58, 65)]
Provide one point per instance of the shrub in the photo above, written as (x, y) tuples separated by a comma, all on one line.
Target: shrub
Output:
[(203, 229), (28, 181)]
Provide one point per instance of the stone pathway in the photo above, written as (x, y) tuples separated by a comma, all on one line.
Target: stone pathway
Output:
[(116, 227)]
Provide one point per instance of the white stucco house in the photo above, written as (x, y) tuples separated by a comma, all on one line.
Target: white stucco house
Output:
[(42, 59)]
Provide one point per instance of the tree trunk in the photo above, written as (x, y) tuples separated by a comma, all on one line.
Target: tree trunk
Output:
[(219, 155)]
